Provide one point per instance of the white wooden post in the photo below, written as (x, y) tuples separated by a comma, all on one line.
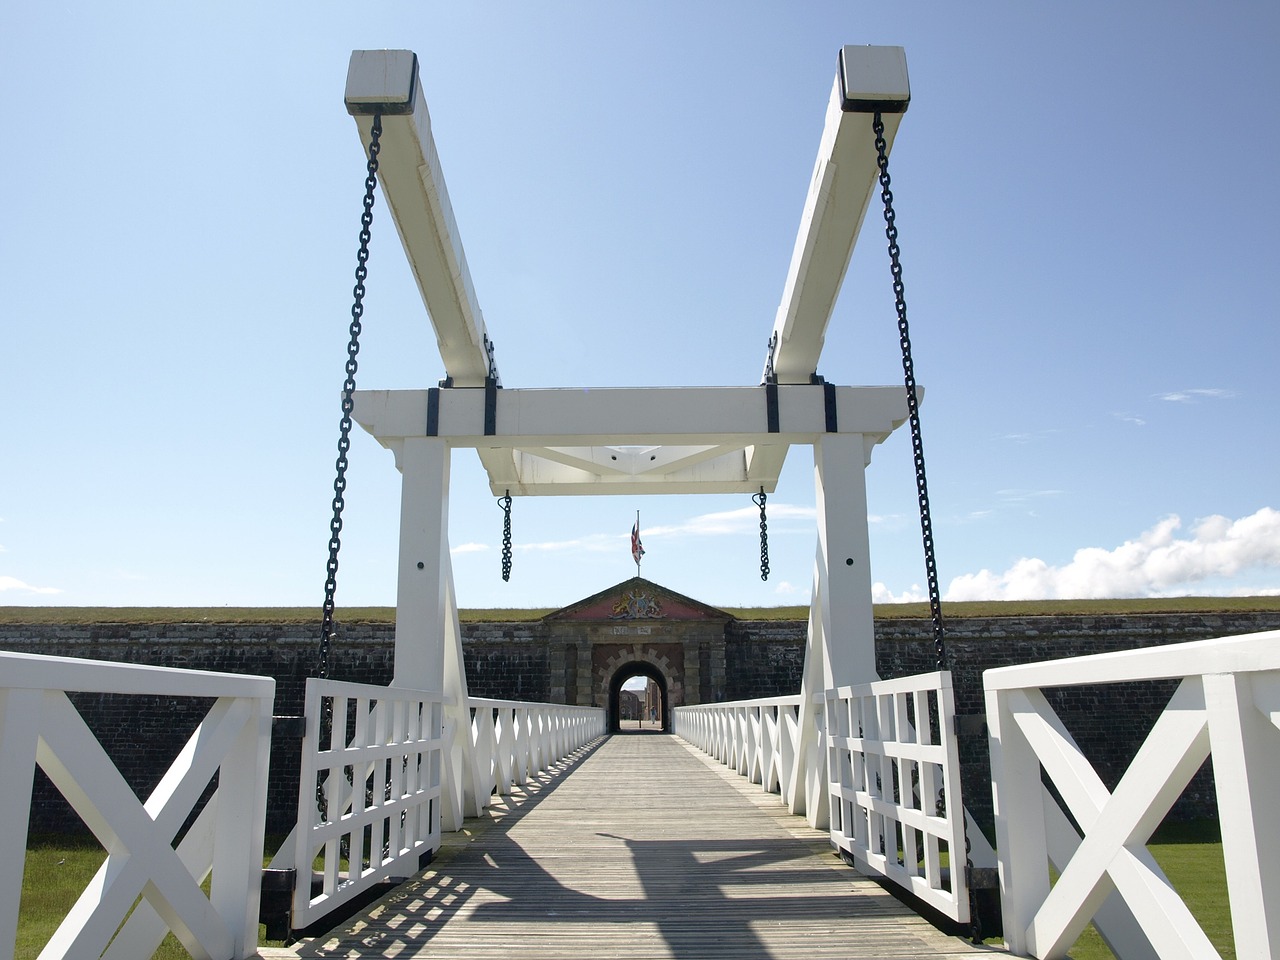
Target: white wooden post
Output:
[(19, 732), (1019, 816), (844, 555), (1247, 778), (422, 583), (840, 648), (243, 774)]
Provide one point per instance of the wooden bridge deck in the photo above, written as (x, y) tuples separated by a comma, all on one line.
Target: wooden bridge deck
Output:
[(648, 849)]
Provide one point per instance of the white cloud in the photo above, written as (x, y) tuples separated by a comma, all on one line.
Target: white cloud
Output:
[(13, 583), (468, 548), (1157, 563), (1195, 395), (741, 520), (786, 588), (595, 543), (882, 594), (1133, 418)]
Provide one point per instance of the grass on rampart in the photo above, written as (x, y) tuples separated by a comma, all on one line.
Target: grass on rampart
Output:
[(76, 616)]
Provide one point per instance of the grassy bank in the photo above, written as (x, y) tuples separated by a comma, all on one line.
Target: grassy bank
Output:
[(903, 611)]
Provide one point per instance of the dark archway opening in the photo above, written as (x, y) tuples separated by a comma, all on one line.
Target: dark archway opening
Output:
[(654, 709)]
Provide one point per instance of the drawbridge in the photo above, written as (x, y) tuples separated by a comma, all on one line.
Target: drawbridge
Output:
[(521, 828)]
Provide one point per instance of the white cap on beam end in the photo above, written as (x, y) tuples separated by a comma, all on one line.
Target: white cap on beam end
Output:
[(873, 80), (381, 81)]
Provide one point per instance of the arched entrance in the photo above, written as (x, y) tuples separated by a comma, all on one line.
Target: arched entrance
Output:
[(638, 668)]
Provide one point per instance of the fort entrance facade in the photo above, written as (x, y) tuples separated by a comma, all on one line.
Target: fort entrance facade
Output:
[(636, 628)]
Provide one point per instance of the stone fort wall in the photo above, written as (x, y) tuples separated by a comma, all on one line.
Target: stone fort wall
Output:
[(524, 661)]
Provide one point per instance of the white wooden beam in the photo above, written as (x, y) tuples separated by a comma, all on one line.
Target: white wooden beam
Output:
[(619, 417), (413, 183), (844, 178)]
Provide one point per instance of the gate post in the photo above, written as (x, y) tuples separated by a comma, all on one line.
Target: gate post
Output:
[(423, 574), (840, 646)]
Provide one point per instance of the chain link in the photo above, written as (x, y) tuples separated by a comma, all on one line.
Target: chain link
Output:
[(760, 499), (917, 449), (348, 403), (913, 403), (505, 503)]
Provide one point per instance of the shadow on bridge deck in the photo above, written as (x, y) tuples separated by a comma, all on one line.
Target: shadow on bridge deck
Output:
[(649, 849)]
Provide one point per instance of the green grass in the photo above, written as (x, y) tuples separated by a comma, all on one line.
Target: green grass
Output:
[(75, 616)]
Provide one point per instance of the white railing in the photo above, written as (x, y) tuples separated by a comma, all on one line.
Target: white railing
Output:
[(757, 738), (894, 774), (1227, 705), (512, 740), (375, 754), (39, 725)]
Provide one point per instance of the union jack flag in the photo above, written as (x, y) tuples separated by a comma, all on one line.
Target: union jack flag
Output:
[(637, 548)]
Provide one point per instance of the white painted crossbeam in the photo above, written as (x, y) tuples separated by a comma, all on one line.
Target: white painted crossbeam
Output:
[(621, 441), (703, 416)]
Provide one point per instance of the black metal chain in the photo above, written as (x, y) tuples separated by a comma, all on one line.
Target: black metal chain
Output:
[(348, 403), (505, 503), (913, 403), (760, 499), (922, 486)]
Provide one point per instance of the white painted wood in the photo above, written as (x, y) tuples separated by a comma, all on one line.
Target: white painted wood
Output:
[(384, 780), (231, 743), (513, 740), (1246, 766), (557, 442), (145, 929), (1019, 822), (844, 606), (27, 671), (844, 179), (755, 738), (631, 416), (19, 731), (889, 767), (236, 885), (377, 77), (840, 641), (424, 568), (413, 183), (1229, 694), (1116, 923), (1117, 827), (1245, 653)]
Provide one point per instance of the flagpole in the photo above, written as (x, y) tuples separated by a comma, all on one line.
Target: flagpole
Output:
[(638, 555)]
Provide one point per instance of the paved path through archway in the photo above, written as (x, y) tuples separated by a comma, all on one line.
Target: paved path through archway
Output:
[(642, 848)]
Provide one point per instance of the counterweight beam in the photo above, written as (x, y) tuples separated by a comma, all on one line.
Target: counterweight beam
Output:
[(386, 81), (869, 79)]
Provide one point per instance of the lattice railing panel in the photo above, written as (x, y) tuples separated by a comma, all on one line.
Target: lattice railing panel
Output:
[(894, 773)]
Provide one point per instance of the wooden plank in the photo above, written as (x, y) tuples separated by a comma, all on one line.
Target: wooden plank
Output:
[(649, 849)]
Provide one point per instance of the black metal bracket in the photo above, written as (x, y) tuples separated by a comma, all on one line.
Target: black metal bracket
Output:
[(490, 406), (275, 902), (771, 406), (433, 411), (290, 728)]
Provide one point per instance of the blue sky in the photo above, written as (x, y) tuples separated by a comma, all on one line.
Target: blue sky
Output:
[(1087, 201)]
